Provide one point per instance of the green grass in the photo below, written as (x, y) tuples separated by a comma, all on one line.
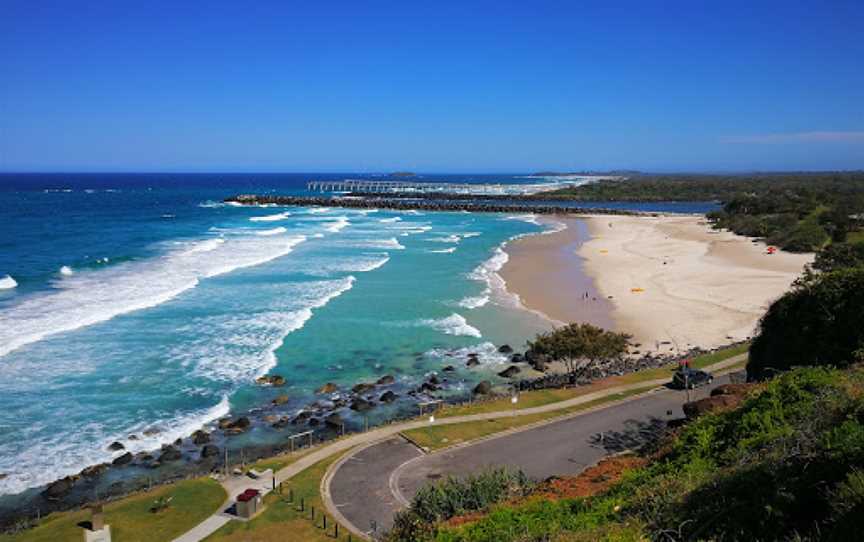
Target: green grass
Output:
[(436, 437), (131, 519), (281, 520)]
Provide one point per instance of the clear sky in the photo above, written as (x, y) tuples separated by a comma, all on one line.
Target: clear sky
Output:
[(431, 86)]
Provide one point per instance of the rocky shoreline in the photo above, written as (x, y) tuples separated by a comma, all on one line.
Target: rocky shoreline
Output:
[(334, 411), (425, 202)]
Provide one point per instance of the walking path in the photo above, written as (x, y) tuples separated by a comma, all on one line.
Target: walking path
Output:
[(233, 485)]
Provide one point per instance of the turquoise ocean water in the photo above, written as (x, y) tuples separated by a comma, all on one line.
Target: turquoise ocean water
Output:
[(139, 308)]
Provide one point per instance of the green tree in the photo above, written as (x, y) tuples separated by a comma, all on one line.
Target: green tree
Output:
[(580, 346), (819, 322)]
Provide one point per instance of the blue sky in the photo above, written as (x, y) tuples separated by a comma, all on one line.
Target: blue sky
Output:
[(431, 86)]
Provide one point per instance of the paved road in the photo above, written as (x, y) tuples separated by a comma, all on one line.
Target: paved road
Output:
[(370, 486)]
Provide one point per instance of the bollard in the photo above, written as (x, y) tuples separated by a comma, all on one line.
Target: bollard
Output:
[(325, 522), (290, 494), (313, 515), (302, 505), (336, 533)]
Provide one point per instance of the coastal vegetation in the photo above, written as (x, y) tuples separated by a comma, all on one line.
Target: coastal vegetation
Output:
[(581, 347)]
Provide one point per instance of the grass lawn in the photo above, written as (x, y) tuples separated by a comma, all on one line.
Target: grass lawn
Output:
[(436, 437), (131, 519), (282, 521), (536, 398)]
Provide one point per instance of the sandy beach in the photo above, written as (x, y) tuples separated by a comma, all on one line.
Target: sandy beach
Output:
[(670, 281)]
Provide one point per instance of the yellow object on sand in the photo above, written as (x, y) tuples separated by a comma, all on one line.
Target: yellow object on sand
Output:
[(637, 290), (604, 251)]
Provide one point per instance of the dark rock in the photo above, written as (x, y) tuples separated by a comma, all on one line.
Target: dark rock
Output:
[(314, 422), (361, 405), (386, 380), (133, 437), (516, 358), (281, 399), (116, 446), (472, 362), (387, 397), (363, 387), (483, 388), (334, 421), (505, 349), (301, 417), (60, 488), (169, 453), (200, 437), (282, 422), (178, 442), (448, 369), (328, 388), (209, 450), (271, 380), (427, 387), (124, 459), (93, 471), (433, 379), (510, 372), (150, 431)]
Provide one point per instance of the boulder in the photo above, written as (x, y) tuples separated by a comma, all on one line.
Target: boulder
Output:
[(124, 459), (328, 388), (505, 349), (60, 488), (178, 442), (516, 358), (93, 471), (209, 450), (448, 369), (282, 422), (271, 380), (200, 437), (150, 431), (363, 387), (361, 405), (302, 417), (280, 399), (472, 361), (116, 446), (334, 421), (314, 422), (387, 397), (170, 453), (483, 388), (510, 372), (386, 380), (716, 403), (427, 387), (433, 379)]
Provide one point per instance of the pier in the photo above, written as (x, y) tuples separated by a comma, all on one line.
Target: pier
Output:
[(365, 186)]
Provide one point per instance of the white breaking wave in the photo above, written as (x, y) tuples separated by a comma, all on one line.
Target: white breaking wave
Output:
[(271, 218), (530, 218), (96, 296), (474, 302), (274, 231), (450, 250), (387, 244), (66, 271), (338, 225), (314, 210), (448, 239), (390, 220), (487, 353), (454, 324), (7, 283)]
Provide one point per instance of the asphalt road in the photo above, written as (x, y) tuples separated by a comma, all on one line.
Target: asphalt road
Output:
[(374, 483)]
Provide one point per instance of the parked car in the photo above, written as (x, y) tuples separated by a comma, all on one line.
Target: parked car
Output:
[(687, 378)]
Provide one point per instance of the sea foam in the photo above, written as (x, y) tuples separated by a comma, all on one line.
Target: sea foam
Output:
[(7, 283), (271, 218), (455, 324)]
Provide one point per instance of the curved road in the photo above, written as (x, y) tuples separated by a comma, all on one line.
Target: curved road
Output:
[(368, 486)]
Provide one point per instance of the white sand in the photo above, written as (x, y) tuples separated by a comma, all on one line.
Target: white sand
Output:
[(701, 287)]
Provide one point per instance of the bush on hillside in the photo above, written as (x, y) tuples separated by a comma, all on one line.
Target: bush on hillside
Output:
[(819, 322), (580, 346)]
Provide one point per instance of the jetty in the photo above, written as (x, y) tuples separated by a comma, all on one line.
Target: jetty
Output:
[(418, 202)]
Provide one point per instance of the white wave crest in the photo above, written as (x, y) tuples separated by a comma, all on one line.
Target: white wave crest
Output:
[(530, 218), (454, 324), (7, 283), (387, 244), (448, 239), (66, 271), (314, 210), (274, 231), (450, 250), (96, 296), (341, 223), (271, 218), (487, 353), (474, 302), (390, 220)]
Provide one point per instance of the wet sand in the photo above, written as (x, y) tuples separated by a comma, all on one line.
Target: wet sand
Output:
[(547, 274), (670, 281)]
